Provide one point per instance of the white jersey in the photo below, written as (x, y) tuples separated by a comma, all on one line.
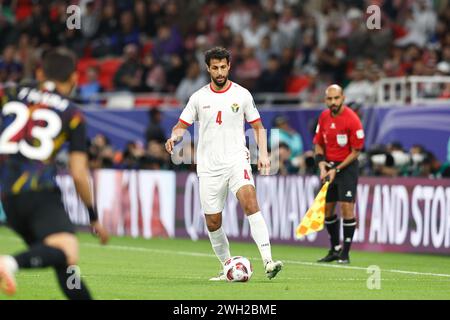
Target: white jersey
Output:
[(221, 118)]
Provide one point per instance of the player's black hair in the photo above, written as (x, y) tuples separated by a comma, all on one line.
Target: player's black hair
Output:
[(218, 53), (59, 64)]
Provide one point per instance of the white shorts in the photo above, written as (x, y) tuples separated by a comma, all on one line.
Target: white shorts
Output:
[(214, 190)]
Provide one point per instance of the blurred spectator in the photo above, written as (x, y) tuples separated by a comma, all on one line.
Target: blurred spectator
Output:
[(154, 75), (225, 38), (289, 25), (271, 79), (389, 161), (132, 155), (92, 87), (11, 69), (156, 158), (130, 73), (101, 153), (445, 169), (168, 42), (379, 40), (331, 59), (174, 72), (278, 39), (305, 59), (140, 13), (155, 130), (26, 55), (90, 20), (254, 33), (420, 23), (193, 81), (238, 17), (360, 89), (153, 17), (286, 134), (283, 161), (127, 34), (102, 45), (357, 39), (264, 51), (287, 61), (248, 70)]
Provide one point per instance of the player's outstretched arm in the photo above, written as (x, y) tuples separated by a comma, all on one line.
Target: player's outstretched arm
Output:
[(78, 167), (261, 140), (177, 133)]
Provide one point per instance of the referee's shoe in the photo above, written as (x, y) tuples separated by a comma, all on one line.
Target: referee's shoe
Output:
[(343, 258), (331, 256)]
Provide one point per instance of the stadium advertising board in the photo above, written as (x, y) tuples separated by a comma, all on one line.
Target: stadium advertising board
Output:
[(404, 215), (132, 203)]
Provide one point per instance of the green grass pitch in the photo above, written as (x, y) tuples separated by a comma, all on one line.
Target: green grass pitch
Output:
[(179, 269)]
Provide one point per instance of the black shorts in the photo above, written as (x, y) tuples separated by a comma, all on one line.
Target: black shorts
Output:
[(343, 188), (35, 215)]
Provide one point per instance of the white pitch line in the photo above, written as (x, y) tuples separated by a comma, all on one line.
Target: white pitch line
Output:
[(199, 254), (207, 255)]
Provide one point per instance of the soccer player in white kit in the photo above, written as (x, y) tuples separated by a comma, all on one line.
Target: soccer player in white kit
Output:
[(223, 160)]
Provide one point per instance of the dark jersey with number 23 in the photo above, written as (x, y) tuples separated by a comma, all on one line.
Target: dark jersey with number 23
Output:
[(34, 126)]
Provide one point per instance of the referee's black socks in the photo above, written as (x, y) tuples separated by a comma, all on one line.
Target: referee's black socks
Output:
[(42, 256), (333, 228), (349, 229)]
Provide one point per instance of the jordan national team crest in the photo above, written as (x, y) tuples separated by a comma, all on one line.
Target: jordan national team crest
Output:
[(235, 107)]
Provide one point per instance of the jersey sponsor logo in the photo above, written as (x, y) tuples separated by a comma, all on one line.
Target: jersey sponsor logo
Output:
[(235, 107), (206, 107), (360, 134), (341, 139)]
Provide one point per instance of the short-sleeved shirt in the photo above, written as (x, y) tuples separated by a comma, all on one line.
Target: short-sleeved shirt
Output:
[(338, 135), (34, 127), (221, 116)]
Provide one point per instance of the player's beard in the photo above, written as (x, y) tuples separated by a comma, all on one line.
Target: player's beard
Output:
[(335, 109), (220, 85)]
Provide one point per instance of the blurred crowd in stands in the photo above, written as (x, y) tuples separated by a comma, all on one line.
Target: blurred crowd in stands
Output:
[(287, 154), (277, 45)]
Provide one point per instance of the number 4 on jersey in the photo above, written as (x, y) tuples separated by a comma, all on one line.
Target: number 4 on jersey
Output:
[(246, 176), (219, 117)]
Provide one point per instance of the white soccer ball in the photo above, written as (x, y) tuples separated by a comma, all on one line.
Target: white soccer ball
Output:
[(238, 269)]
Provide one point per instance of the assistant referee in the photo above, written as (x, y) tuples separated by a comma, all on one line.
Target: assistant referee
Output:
[(338, 142)]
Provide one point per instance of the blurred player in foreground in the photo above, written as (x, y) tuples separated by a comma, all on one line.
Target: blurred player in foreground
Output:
[(35, 123), (223, 159), (338, 141)]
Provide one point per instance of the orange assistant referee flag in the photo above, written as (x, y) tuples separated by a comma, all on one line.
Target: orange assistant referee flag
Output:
[(314, 219)]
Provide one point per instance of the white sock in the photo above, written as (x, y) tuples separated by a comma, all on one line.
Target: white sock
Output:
[(260, 234), (220, 245), (10, 263)]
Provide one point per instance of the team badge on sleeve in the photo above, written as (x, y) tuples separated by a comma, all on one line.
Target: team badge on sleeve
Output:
[(235, 107), (360, 134)]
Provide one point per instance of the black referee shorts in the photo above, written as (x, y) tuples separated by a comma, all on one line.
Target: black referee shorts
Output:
[(343, 188), (34, 215)]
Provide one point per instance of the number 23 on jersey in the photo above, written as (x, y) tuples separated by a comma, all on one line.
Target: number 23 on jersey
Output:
[(45, 135)]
